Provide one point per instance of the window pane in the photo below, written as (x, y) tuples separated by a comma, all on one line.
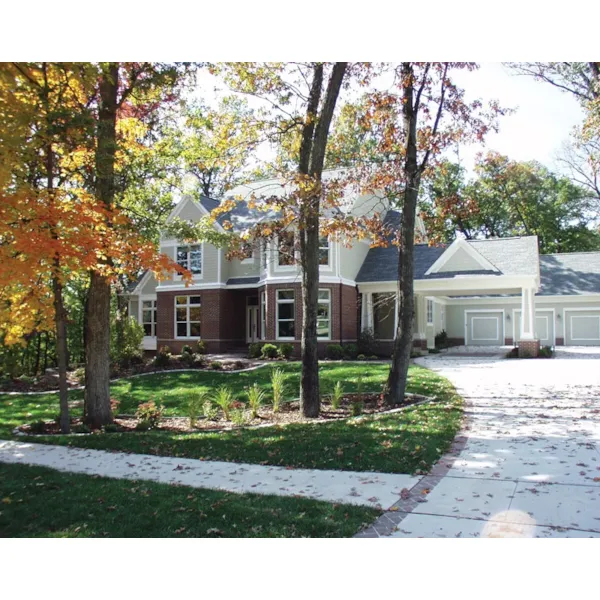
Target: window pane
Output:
[(286, 311), (286, 248), (147, 304), (323, 311), (196, 260), (182, 314), (147, 329), (285, 294), (194, 299), (182, 329), (194, 313), (195, 329), (182, 255), (147, 316), (286, 329), (323, 294), (323, 328), (180, 299), (323, 256)]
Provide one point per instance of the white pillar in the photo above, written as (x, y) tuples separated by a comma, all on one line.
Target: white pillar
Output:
[(528, 314), (366, 316)]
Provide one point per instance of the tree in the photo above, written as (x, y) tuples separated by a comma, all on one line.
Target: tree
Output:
[(415, 122), (302, 98)]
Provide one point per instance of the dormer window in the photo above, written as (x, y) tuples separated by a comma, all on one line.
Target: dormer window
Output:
[(247, 252), (323, 250), (190, 258), (285, 256)]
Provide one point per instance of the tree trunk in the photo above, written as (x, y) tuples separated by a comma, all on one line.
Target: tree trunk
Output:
[(97, 333), (61, 354), (396, 384)]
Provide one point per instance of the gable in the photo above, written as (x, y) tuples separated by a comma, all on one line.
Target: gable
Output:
[(461, 260)]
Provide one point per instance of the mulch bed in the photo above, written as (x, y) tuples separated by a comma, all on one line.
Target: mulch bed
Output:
[(289, 413)]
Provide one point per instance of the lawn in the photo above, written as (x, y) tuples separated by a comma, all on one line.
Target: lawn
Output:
[(406, 442), (40, 502)]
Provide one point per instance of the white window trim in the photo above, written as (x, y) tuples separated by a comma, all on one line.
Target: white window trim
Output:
[(263, 315), (329, 316), (287, 301), (187, 306), (141, 312), (195, 276)]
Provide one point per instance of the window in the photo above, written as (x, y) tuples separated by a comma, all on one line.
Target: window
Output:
[(190, 258), (286, 315), (263, 315), (187, 316), (324, 314), (384, 316), (429, 312), (149, 317), (324, 250), (285, 256), (247, 252)]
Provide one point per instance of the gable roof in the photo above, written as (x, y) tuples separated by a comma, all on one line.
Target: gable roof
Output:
[(571, 274)]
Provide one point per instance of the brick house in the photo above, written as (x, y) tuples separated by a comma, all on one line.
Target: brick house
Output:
[(481, 292)]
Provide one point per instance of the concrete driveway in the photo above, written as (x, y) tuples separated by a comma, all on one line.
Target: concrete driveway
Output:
[(531, 465)]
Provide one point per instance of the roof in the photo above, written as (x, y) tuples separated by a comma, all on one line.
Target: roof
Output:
[(570, 274), (134, 283), (511, 256)]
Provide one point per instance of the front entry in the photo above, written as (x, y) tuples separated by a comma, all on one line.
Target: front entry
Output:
[(252, 332)]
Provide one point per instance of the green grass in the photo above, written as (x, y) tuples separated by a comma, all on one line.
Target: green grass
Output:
[(406, 442), (40, 502)]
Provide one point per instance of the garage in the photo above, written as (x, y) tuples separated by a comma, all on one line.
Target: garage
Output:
[(484, 327), (544, 326), (582, 326)]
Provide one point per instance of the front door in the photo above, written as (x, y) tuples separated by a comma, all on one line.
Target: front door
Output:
[(252, 333)]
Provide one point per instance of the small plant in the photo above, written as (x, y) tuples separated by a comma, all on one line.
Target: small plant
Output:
[(188, 358), (278, 386), (217, 365), (334, 352), (255, 350), (285, 351), (268, 351), (115, 404), (238, 414), (350, 351), (224, 400), (194, 406), (186, 349), (373, 357), (256, 397), (337, 395), (366, 341), (239, 365), (209, 410), (513, 353), (111, 428), (434, 350), (416, 354), (150, 412), (143, 426), (359, 384), (356, 408), (361, 357), (163, 357), (37, 426), (79, 375), (441, 340), (545, 352), (81, 429), (201, 347)]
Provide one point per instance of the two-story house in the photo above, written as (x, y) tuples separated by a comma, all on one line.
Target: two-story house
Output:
[(481, 292)]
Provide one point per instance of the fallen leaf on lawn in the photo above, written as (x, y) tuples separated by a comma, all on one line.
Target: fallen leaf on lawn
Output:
[(6, 500)]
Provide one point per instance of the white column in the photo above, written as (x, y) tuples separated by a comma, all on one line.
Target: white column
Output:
[(528, 314), (366, 316)]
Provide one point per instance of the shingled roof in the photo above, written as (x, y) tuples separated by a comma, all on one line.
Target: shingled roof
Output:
[(571, 274)]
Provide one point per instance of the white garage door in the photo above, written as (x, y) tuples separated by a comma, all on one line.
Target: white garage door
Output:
[(544, 326), (582, 327), (484, 329)]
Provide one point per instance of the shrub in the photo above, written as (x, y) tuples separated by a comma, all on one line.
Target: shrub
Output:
[(255, 350), (37, 426), (434, 350), (356, 408), (111, 428), (126, 337), (217, 365), (238, 414), (224, 400), (415, 354), (513, 353), (366, 341), (187, 349), (334, 352), (143, 426), (361, 357), (238, 365), (285, 351), (81, 429), (350, 351), (278, 386), (115, 404), (79, 375), (200, 361), (201, 347), (194, 406), (269, 351), (188, 358), (163, 357), (256, 397), (209, 410), (546, 352), (441, 339), (373, 357), (150, 412), (337, 395)]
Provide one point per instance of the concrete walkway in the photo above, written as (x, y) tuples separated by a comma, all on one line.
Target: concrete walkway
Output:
[(379, 490), (530, 466)]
